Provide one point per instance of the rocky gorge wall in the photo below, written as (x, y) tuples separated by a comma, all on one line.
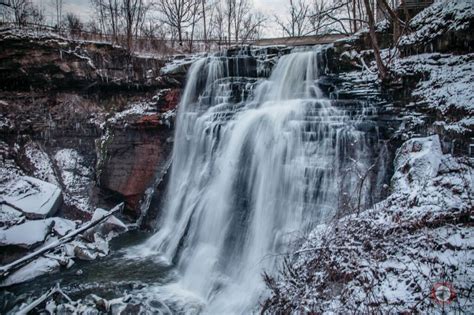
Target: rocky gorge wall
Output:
[(88, 117)]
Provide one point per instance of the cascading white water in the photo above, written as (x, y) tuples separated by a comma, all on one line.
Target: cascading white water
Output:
[(248, 173)]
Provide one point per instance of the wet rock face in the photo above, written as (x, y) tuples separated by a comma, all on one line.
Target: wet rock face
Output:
[(133, 157), (136, 147), (56, 96)]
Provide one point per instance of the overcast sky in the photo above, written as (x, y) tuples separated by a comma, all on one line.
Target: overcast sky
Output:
[(84, 10)]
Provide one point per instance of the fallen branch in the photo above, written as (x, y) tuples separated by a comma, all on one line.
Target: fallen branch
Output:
[(38, 301), (4, 270)]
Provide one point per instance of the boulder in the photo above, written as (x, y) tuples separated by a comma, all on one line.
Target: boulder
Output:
[(63, 226), (32, 270), (35, 198), (26, 235), (108, 229), (416, 161)]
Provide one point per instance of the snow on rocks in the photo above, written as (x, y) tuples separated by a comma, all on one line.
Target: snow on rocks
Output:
[(440, 17), (9, 215), (179, 64), (77, 178), (43, 167), (109, 229), (68, 241), (62, 226), (36, 268), (33, 197), (134, 109), (417, 160), (388, 258), (26, 235), (449, 79)]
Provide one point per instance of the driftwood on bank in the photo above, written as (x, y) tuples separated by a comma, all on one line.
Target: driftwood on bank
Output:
[(5, 270)]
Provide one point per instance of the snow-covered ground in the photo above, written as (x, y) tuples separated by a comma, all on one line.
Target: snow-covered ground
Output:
[(389, 258), (448, 85), (393, 257), (442, 16)]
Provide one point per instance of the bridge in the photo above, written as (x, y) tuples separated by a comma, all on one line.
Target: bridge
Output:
[(298, 40)]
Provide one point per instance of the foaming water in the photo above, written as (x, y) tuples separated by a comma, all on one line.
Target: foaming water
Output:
[(253, 162)]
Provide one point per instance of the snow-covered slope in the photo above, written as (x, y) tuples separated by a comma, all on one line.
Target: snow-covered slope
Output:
[(389, 258)]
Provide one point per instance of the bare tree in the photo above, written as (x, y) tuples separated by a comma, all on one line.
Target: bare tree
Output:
[(241, 13), (108, 12), (134, 13), (327, 16), (36, 15), (203, 12), (74, 24), (20, 10), (298, 22), (251, 27), (178, 14), (58, 7), (382, 69), (218, 23), (229, 13), (196, 16)]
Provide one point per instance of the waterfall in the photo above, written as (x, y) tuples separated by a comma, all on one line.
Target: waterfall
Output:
[(254, 161)]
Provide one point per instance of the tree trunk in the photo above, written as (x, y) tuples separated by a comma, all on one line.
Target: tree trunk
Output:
[(203, 2), (354, 9), (395, 19), (229, 21), (383, 73), (180, 35)]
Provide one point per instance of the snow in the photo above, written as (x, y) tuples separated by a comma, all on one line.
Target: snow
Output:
[(34, 197), (27, 234), (76, 177), (386, 259), (442, 16), (109, 229), (449, 83), (138, 109), (9, 215), (43, 168), (30, 34), (179, 65), (63, 226), (421, 157), (32, 270)]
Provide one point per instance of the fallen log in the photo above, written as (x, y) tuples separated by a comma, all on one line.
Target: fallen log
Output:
[(5, 270)]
